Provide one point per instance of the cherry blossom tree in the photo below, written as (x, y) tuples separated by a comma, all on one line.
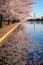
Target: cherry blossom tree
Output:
[(16, 9)]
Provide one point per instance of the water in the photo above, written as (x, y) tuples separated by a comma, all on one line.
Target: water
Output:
[(35, 30)]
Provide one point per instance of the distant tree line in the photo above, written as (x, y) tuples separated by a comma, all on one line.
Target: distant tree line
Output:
[(38, 19)]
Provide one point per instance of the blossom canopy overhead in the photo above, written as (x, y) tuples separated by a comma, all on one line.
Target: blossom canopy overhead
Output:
[(16, 9)]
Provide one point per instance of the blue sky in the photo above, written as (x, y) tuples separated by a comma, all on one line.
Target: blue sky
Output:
[(38, 8)]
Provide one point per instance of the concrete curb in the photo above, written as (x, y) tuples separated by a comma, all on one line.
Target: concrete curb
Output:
[(4, 36)]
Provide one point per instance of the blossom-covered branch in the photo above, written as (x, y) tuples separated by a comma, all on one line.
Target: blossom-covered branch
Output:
[(19, 9)]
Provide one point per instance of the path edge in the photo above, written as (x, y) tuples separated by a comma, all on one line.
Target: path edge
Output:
[(11, 30)]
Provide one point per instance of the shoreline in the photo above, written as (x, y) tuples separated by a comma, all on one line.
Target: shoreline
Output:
[(18, 49)]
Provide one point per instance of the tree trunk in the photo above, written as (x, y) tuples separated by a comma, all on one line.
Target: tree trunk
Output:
[(8, 22), (1, 19)]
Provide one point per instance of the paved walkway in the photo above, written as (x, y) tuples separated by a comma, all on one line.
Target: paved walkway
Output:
[(5, 28), (8, 30)]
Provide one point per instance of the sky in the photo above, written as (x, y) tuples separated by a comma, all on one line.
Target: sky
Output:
[(38, 9)]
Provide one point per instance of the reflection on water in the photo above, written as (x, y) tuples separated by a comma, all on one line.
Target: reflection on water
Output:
[(35, 29), (35, 58)]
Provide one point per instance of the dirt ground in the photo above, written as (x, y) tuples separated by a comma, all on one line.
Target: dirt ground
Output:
[(5, 28)]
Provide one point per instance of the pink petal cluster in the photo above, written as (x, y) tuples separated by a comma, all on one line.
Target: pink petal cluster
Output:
[(16, 9)]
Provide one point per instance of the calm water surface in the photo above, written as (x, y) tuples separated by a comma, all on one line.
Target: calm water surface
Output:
[(35, 30)]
